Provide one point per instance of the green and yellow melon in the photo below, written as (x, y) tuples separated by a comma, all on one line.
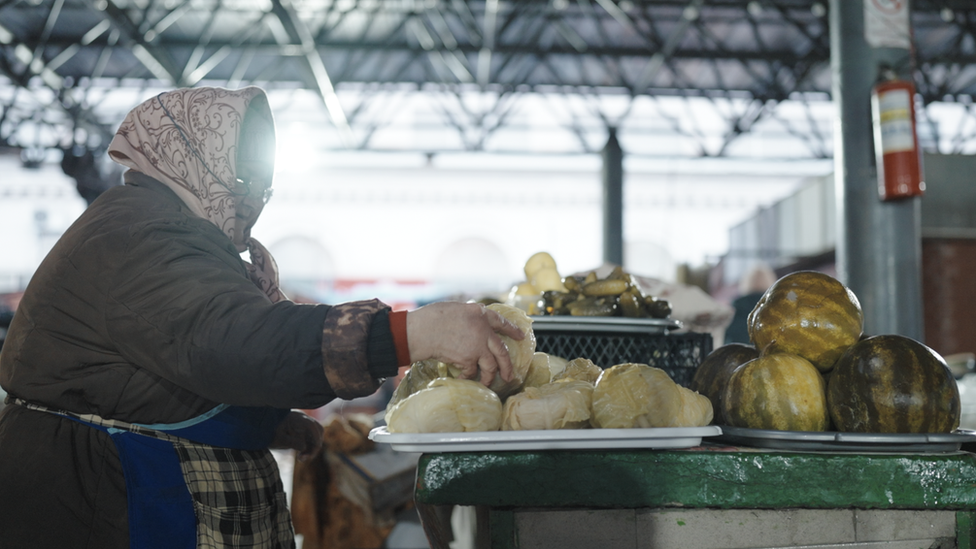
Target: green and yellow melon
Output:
[(778, 391), (893, 384), (712, 375), (809, 314)]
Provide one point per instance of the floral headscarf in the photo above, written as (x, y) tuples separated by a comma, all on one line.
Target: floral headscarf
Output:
[(188, 140)]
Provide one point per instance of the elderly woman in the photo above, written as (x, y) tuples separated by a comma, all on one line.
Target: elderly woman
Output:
[(149, 368)]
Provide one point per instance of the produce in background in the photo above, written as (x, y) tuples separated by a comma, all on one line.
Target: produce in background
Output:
[(519, 351), (809, 314), (635, 395), (562, 404), (539, 261), (893, 384), (617, 294), (547, 280), (778, 391), (712, 375), (582, 369), (541, 275), (447, 405), (541, 272), (524, 296)]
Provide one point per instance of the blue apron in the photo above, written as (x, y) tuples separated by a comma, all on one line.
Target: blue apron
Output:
[(160, 506)]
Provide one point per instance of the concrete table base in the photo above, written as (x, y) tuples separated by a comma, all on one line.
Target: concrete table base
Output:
[(649, 498)]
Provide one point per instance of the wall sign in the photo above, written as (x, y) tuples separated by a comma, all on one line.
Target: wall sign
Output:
[(886, 24)]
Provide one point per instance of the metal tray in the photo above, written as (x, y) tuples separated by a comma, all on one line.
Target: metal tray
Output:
[(557, 439), (833, 441), (594, 324)]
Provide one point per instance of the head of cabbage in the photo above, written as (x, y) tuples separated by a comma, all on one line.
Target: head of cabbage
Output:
[(635, 395), (419, 375), (558, 405), (580, 368), (447, 405), (519, 351)]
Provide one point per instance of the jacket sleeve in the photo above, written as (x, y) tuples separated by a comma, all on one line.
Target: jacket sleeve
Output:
[(357, 334), (182, 307)]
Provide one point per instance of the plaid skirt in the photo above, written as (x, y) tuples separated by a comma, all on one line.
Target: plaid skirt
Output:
[(185, 493)]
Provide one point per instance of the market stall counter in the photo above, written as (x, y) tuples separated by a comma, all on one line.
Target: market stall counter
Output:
[(786, 481), (710, 496)]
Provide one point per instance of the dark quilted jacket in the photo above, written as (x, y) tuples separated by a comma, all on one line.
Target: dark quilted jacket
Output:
[(143, 312)]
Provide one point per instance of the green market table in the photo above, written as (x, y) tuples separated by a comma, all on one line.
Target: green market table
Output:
[(708, 496)]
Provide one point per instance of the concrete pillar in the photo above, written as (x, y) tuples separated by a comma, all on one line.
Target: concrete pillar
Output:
[(613, 201), (878, 243)]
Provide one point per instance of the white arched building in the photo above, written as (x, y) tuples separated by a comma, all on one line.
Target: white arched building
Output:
[(410, 228)]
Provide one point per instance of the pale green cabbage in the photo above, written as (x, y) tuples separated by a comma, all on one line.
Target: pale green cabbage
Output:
[(519, 351), (635, 395), (417, 377), (559, 405), (539, 371), (557, 365), (696, 409), (447, 405), (582, 369)]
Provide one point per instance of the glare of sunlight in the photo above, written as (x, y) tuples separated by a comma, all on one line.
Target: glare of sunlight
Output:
[(296, 150)]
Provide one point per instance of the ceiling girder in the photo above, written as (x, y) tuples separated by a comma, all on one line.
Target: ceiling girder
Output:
[(156, 60), (300, 35), (31, 64), (764, 51)]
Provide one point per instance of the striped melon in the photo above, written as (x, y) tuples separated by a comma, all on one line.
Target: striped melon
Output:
[(893, 384), (712, 375), (776, 391), (809, 314)]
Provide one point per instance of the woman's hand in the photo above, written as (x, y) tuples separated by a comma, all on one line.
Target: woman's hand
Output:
[(463, 334), (299, 432)]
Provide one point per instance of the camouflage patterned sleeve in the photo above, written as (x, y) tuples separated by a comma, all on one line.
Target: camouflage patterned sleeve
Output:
[(345, 349)]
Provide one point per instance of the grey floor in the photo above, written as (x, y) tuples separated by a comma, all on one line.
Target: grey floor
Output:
[(408, 533)]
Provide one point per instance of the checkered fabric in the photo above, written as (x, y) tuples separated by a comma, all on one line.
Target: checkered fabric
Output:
[(238, 497)]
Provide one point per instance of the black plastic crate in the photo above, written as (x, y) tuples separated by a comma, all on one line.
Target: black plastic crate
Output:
[(677, 354)]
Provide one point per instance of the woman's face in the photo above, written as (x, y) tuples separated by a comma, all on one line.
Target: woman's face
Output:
[(255, 178), (255, 171)]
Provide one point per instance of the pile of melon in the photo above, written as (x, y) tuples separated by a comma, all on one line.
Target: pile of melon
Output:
[(811, 368)]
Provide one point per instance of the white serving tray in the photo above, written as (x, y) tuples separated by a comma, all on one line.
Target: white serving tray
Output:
[(840, 442), (601, 324), (557, 439)]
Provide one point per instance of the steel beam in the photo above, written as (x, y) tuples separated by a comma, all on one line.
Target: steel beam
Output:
[(299, 32), (156, 60)]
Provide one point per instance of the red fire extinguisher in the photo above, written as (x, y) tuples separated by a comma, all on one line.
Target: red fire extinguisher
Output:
[(895, 141)]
